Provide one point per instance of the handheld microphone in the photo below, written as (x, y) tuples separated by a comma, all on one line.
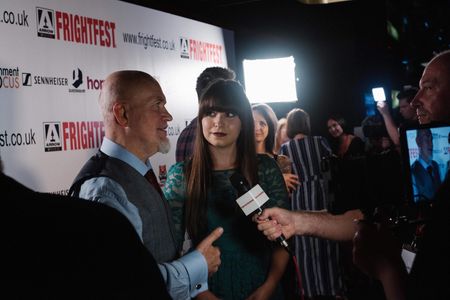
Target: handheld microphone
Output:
[(252, 200)]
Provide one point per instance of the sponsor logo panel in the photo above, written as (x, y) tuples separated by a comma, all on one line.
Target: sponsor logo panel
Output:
[(184, 47), (63, 192), (50, 80), (200, 50), (10, 78), (26, 79), (94, 84), (15, 138), (77, 81), (45, 22), (75, 28), (52, 136), (14, 18), (70, 135), (148, 40), (173, 130)]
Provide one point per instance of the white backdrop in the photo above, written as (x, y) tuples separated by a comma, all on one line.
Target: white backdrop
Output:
[(54, 55)]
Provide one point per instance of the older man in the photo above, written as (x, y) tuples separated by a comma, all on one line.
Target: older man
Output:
[(120, 175), (432, 102)]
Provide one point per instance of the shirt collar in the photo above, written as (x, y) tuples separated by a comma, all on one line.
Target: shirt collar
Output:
[(424, 164), (115, 150)]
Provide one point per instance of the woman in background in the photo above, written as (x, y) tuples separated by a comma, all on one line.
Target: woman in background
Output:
[(344, 144), (201, 196), (265, 127), (319, 259)]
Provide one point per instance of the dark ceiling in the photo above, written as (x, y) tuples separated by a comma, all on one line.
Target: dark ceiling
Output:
[(341, 49), (423, 26)]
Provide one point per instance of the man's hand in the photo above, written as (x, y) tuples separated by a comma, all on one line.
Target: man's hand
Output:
[(383, 108), (282, 222), (211, 253)]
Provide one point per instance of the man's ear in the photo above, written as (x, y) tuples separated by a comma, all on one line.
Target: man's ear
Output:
[(120, 114)]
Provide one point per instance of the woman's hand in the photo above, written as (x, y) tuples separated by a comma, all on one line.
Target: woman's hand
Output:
[(262, 293), (206, 295), (291, 181)]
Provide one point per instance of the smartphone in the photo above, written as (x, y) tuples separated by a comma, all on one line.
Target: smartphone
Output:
[(378, 94)]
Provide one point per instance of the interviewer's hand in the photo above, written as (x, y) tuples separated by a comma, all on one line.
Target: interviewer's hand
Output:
[(210, 252), (282, 223)]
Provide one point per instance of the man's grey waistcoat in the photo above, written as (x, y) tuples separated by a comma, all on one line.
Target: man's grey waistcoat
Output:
[(155, 213)]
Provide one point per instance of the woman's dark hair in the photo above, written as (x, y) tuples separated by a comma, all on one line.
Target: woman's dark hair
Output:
[(297, 122), (272, 122), (222, 96)]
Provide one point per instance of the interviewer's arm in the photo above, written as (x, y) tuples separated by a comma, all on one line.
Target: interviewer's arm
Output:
[(310, 223), (326, 225)]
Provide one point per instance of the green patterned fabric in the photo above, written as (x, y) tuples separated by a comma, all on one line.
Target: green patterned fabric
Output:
[(245, 252)]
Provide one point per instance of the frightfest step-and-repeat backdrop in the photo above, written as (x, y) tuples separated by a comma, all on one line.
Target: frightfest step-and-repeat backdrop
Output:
[(54, 56)]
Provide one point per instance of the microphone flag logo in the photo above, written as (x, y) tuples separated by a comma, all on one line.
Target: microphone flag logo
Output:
[(253, 200)]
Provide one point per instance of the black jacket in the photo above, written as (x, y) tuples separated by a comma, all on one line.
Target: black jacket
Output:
[(58, 247)]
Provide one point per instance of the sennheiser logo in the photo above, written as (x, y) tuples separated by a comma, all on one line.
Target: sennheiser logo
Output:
[(52, 136), (45, 22), (184, 47), (26, 79), (77, 81)]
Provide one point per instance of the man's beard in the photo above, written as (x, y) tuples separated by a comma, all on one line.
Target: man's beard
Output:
[(164, 146)]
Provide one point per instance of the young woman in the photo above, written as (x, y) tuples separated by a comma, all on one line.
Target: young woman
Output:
[(202, 197), (265, 127), (344, 144)]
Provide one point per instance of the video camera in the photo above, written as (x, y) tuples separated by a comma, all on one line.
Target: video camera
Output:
[(364, 182)]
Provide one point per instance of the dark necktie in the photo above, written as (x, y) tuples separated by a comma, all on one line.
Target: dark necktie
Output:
[(430, 172), (151, 177)]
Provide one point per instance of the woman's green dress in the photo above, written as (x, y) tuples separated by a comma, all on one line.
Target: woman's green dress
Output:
[(245, 252)]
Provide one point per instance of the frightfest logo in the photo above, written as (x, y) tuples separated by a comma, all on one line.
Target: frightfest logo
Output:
[(201, 50), (75, 28)]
